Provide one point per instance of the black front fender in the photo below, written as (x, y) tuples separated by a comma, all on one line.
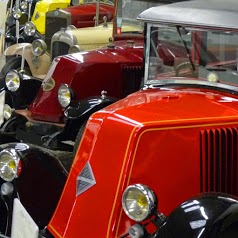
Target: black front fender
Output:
[(79, 111), (10, 36), (85, 107), (205, 216), (40, 182), (25, 94)]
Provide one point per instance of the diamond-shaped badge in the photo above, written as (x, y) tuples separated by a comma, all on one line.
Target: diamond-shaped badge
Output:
[(85, 180)]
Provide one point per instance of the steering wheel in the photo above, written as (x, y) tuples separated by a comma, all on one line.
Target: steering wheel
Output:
[(185, 65)]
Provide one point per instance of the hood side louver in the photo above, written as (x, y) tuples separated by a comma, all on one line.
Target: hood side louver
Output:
[(85, 180), (219, 151)]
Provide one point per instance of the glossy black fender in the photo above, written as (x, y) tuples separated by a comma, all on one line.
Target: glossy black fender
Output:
[(10, 36), (40, 183), (79, 111), (25, 94), (205, 216), (10, 22)]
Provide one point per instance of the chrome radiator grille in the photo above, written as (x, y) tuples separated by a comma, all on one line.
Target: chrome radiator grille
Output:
[(55, 20), (219, 166), (132, 76), (59, 48)]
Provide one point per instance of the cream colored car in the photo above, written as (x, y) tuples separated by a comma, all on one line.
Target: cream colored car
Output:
[(38, 59)]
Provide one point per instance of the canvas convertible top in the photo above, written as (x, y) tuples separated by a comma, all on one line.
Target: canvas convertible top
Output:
[(200, 13)]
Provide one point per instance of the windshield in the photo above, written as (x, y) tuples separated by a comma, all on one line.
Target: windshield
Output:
[(195, 54), (127, 12)]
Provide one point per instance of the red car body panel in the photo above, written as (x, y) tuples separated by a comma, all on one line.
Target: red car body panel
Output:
[(82, 14), (92, 71), (152, 127), (106, 75)]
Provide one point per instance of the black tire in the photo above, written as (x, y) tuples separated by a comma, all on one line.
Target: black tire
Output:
[(14, 63), (79, 137)]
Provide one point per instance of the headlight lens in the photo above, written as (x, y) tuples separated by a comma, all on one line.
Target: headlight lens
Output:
[(23, 5), (64, 95), (7, 112), (10, 165), (17, 14), (74, 49), (38, 47), (12, 81), (138, 202), (29, 28)]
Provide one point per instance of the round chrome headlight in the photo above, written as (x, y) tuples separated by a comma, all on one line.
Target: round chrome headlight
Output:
[(29, 28), (23, 5), (7, 112), (74, 49), (38, 47), (139, 202), (12, 81), (10, 165), (64, 95), (17, 14)]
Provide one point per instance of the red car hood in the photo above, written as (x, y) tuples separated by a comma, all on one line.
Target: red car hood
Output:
[(151, 105), (86, 12), (101, 68), (154, 137), (88, 8), (117, 52)]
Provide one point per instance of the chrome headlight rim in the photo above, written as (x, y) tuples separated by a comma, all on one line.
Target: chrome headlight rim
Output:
[(38, 47), (29, 28), (74, 49), (65, 89), (23, 5), (15, 158), (7, 112), (17, 13), (149, 197), (13, 81)]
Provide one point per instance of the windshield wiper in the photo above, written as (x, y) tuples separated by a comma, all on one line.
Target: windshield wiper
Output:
[(186, 48)]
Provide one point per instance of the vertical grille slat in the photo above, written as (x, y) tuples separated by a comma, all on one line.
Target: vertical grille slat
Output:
[(59, 48), (219, 150), (132, 76)]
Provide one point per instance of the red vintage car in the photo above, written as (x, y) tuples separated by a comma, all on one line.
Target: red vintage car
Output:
[(178, 135)]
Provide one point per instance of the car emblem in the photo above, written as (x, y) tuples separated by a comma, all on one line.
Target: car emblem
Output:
[(85, 179), (48, 85), (56, 13)]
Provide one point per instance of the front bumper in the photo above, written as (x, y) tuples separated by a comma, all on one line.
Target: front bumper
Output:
[(46, 134)]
